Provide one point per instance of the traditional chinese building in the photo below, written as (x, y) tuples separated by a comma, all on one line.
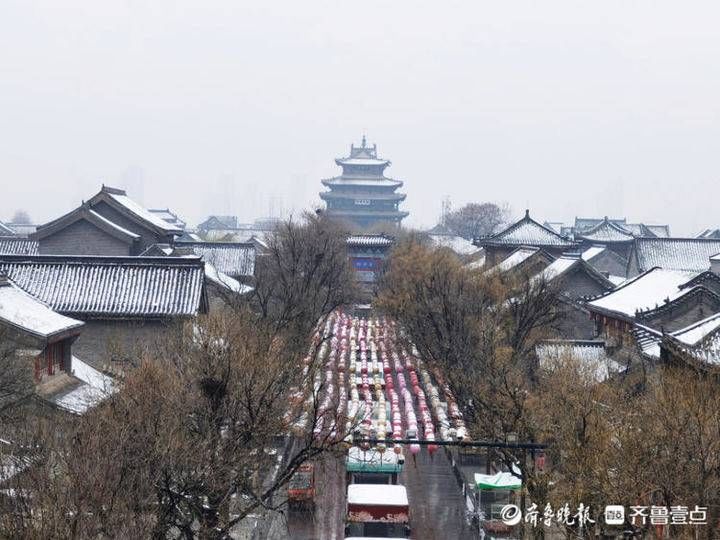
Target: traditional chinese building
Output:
[(363, 196), (524, 233), (126, 303), (110, 223)]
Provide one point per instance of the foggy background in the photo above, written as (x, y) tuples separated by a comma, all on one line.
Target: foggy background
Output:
[(566, 107)]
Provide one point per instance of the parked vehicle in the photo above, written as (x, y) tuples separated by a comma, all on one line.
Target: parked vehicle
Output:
[(377, 510)]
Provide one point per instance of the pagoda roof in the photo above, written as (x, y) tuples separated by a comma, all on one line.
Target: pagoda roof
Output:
[(362, 161), (369, 240), (363, 155), (527, 232), (370, 182), (368, 213), (381, 196)]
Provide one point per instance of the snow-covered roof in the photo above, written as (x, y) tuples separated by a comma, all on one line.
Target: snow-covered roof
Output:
[(556, 226), (22, 229), (675, 253), (225, 281), (5, 230), (21, 311), (527, 232), (188, 237), (646, 291), (567, 262), (377, 495), (458, 244), (558, 267), (18, 246), (95, 388), (606, 231), (709, 233), (139, 211), (382, 181), (167, 215), (661, 231), (85, 213), (592, 252), (362, 161), (516, 258), (648, 340), (111, 286), (233, 259), (697, 332), (591, 355), (477, 264), (583, 224), (501, 480), (113, 225), (371, 460), (369, 240)]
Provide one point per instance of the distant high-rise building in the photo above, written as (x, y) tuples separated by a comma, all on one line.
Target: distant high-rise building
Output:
[(363, 196)]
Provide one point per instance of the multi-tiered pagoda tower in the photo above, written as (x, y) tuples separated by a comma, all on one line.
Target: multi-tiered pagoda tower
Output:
[(363, 196)]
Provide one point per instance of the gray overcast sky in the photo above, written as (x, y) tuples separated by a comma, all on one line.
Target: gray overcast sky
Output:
[(570, 107)]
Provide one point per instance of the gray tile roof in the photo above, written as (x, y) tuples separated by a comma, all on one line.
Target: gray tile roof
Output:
[(606, 231), (20, 310), (5, 230), (527, 232), (369, 240), (675, 253), (112, 287), (233, 259), (647, 291), (591, 355), (18, 246)]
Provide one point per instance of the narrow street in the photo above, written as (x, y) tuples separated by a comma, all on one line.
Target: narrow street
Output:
[(437, 505)]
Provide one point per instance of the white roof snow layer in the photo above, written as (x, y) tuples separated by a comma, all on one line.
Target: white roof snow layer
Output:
[(377, 494), (143, 213), (23, 311), (592, 252), (696, 332), (513, 260), (97, 387), (646, 291)]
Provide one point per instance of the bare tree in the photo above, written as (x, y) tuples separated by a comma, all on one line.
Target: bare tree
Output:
[(479, 332), (214, 421), (475, 220), (303, 275)]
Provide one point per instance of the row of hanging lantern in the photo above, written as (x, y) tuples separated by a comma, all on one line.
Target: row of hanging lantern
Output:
[(369, 374)]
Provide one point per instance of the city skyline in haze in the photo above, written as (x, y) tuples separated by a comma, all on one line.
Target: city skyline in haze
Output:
[(225, 107)]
